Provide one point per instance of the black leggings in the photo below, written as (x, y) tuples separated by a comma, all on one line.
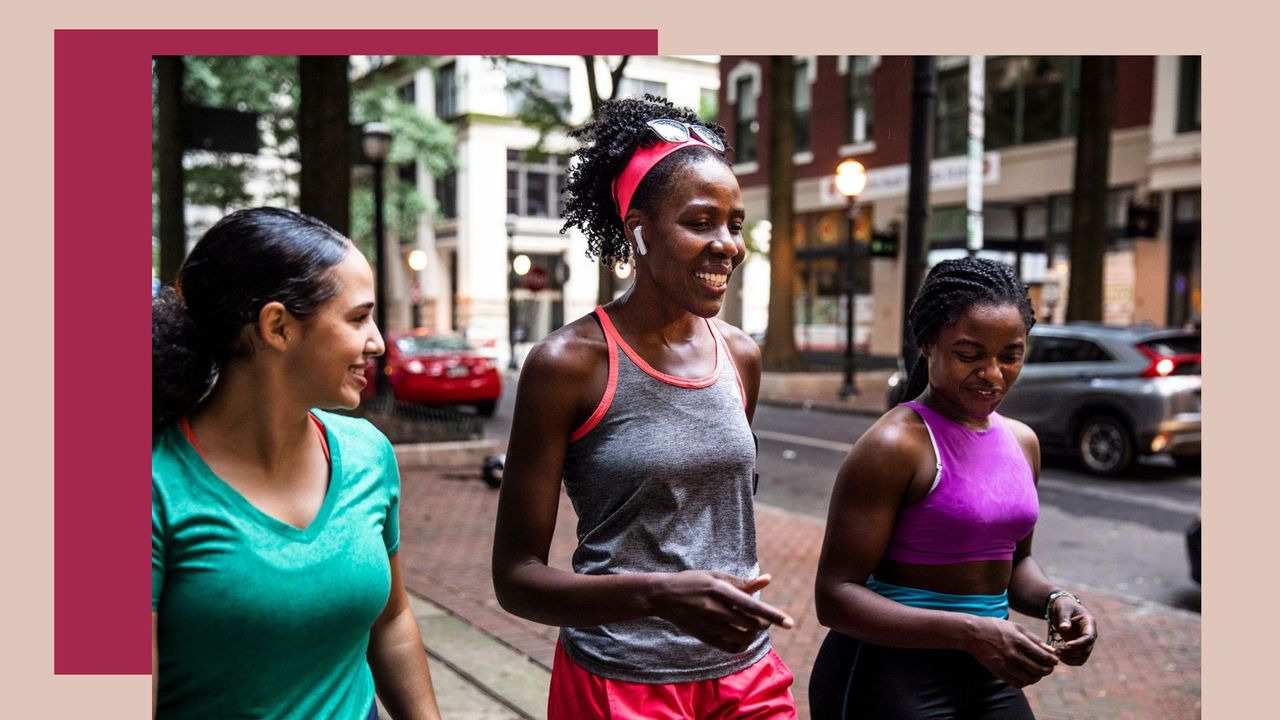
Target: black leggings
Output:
[(855, 680)]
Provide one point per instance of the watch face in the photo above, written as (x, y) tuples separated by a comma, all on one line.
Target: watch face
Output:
[(673, 131), (708, 137)]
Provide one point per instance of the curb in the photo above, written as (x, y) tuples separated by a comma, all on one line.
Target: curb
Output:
[(462, 453), (507, 682)]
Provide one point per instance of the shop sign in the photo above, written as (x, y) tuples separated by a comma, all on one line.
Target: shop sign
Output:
[(893, 180)]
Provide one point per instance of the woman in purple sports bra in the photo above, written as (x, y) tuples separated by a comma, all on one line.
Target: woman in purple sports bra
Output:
[(928, 539)]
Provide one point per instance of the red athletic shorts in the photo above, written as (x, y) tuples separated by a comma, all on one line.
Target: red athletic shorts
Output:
[(758, 692)]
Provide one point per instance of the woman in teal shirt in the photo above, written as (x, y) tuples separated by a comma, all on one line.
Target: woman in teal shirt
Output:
[(275, 587)]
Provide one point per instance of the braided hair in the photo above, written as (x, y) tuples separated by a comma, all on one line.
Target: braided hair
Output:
[(607, 145), (246, 260), (950, 289)]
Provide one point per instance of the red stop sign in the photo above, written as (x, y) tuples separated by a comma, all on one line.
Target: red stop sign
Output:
[(536, 279)]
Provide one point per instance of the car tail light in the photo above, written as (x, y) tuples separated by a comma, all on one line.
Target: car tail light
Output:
[(481, 365), (1166, 365), (414, 366)]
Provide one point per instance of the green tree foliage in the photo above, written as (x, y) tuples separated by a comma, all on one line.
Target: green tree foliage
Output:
[(265, 84), (537, 108), (268, 85), (708, 107), (416, 138)]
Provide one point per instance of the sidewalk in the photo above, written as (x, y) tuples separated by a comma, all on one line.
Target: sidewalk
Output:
[(489, 664)]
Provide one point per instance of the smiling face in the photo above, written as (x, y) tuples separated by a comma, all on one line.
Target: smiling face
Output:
[(975, 361), (694, 237), (340, 340)]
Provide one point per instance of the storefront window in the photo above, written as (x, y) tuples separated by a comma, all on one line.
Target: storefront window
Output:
[(1030, 98), (861, 105), (803, 103), (951, 124), (744, 126), (821, 296)]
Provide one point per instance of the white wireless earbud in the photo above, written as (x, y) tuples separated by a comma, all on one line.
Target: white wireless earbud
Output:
[(640, 241)]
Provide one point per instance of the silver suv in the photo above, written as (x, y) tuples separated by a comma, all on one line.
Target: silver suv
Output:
[(1111, 394)]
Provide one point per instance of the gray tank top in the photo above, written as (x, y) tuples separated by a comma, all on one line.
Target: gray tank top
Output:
[(661, 477)]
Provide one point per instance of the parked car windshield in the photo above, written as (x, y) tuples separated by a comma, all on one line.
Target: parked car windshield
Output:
[(1174, 345), (431, 344)]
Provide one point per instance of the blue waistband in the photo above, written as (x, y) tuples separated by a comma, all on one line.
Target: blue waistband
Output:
[(981, 605)]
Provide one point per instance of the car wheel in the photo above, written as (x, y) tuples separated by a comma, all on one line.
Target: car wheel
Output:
[(1105, 445), (486, 408)]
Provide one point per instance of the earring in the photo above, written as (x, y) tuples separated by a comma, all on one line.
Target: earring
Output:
[(640, 241)]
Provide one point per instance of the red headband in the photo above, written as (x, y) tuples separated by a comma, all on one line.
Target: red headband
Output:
[(641, 162)]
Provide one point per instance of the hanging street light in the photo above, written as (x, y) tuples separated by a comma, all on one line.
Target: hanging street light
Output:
[(376, 143)]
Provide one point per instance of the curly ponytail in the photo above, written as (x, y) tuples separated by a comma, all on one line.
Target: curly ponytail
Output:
[(182, 369)]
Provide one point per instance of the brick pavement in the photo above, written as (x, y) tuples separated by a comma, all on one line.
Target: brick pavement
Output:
[(1146, 665)]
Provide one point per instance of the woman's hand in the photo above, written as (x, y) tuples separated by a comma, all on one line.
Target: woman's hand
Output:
[(1011, 652), (716, 607), (1076, 626)]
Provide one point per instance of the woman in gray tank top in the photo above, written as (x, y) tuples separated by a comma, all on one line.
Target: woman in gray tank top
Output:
[(642, 409)]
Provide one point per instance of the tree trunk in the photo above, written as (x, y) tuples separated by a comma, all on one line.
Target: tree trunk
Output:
[(173, 231), (1089, 199), (324, 184), (780, 351), (914, 261)]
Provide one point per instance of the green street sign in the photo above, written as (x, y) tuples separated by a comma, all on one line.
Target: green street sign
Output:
[(884, 244)]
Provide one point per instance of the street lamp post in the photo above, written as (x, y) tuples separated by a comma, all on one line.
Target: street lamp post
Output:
[(376, 143), (417, 263), (851, 178), (511, 290)]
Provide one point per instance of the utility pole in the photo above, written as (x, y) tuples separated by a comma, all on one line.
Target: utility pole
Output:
[(977, 132), (923, 90)]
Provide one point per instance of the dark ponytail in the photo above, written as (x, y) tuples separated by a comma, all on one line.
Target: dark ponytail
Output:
[(181, 368), (950, 289), (246, 260)]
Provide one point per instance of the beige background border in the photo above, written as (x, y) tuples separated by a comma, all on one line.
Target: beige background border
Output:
[(1240, 254)]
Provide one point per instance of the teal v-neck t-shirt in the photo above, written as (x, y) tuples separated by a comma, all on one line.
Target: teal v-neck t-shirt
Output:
[(260, 619)]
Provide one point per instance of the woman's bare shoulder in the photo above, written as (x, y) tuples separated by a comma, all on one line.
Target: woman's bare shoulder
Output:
[(899, 434), (572, 353)]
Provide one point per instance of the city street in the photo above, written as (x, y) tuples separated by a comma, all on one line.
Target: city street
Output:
[(1122, 535)]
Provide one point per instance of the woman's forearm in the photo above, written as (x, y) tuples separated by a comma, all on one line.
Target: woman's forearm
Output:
[(854, 610), (1028, 587), (553, 596), (400, 670)]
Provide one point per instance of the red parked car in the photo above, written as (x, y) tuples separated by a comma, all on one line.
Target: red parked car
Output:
[(427, 369)]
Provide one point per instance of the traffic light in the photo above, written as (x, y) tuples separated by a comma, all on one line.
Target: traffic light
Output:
[(884, 244)]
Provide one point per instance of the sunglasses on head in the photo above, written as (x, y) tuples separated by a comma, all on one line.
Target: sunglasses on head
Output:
[(674, 131)]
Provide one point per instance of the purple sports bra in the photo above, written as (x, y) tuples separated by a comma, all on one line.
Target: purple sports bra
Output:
[(983, 500)]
